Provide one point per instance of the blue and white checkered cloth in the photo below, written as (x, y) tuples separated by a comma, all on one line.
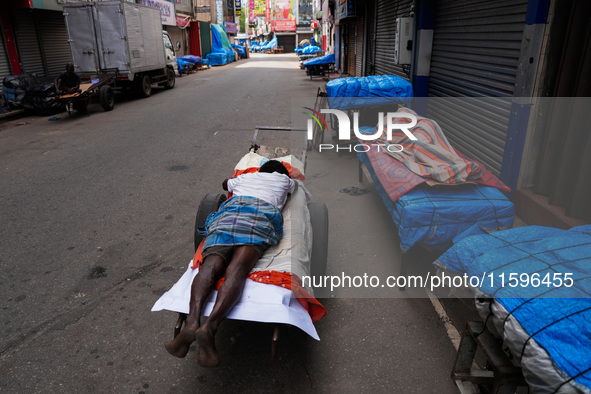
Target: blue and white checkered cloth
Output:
[(244, 220)]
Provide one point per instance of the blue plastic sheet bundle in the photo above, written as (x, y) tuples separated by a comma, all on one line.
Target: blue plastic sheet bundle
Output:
[(316, 61), (221, 50), (241, 50), (311, 49), (553, 311), (348, 93), (191, 59), (271, 45)]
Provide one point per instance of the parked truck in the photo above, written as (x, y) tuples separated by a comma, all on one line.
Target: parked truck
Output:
[(121, 39)]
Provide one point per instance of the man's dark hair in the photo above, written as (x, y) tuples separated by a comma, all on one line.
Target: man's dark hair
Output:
[(70, 66), (274, 166)]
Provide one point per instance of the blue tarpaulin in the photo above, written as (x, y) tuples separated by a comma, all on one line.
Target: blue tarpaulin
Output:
[(191, 59), (241, 50), (348, 93), (311, 49), (556, 312), (221, 50), (328, 59), (271, 45)]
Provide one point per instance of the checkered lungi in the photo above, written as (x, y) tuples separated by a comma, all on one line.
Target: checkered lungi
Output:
[(244, 221)]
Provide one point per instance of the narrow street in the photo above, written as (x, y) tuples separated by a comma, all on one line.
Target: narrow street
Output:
[(97, 223)]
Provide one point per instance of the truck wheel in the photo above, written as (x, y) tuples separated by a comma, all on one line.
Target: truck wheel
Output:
[(170, 79), (107, 97), (319, 219), (144, 86), (210, 203)]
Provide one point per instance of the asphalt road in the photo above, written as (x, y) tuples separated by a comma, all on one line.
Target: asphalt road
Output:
[(97, 216)]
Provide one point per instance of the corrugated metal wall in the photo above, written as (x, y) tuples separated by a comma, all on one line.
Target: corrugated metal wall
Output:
[(54, 42), (359, 47), (42, 41), (5, 68), (476, 49), (385, 32), (25, 34), (351, 50)]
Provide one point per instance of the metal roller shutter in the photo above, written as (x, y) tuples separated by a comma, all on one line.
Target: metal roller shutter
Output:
[(5, 68), (351, 50), (370, 41), (26, 40), (476, 49), (54, 42), (359, 47), (385, 33)]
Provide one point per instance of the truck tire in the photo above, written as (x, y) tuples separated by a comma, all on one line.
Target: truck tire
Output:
[(107, 97), (210, 203), (144, 86), (319, 219), (170, 79)]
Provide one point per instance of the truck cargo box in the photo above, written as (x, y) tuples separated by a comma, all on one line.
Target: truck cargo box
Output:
[(112, 35)]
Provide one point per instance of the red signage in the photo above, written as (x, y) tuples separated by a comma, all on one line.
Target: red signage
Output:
[(183, 21), (285, 25)]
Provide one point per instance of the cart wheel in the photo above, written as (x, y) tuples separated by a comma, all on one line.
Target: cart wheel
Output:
[(319, 219), (144, 86), (210, 203), (170, 79), (107, 97)]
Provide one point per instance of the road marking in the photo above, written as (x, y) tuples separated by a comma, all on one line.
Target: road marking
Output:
[(452, 333)]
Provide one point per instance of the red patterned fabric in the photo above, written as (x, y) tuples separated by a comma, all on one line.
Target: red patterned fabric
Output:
[(397, 179)]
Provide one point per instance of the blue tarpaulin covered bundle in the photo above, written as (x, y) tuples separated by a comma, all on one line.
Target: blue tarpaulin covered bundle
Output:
[(311, 49), (344, 93), (540, 278), (241, 50), (315, 61), (191, 59), (221, 50), (271, 45)]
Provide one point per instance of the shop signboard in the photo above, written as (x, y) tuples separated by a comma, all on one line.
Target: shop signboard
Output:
[(260, 7), (183, 21), (285, 15), (238, 7), (230, 27), (219, 10), (167, 11)]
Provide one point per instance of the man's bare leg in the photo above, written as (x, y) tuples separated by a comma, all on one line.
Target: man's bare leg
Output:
[(244, 258), (210, 272)]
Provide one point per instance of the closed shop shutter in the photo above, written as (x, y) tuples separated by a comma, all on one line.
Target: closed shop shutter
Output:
[(351, 50), (54, 41), (359, 48), (205, 36), (5, 69), (370, 41), (287, 42), (26, 40), (476, 49), (385, 34)]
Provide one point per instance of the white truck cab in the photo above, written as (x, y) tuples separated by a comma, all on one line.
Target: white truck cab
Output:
[(170, 52)]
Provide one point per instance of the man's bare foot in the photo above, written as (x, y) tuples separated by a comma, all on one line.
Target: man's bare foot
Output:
[(208, 355), (179, 346)]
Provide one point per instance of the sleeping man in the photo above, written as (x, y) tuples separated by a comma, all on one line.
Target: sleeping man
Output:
[(237, 236)]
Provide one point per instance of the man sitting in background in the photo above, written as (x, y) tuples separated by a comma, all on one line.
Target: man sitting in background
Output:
[(67, 82)]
